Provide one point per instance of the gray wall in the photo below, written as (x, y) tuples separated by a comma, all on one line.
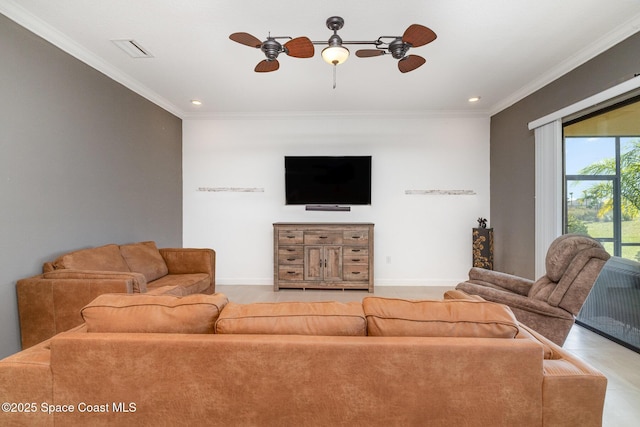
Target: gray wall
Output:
[(513, 151), (83, 162)]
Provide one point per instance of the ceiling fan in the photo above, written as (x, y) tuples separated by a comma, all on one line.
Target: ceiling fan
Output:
[(415, 35), (300, 47)]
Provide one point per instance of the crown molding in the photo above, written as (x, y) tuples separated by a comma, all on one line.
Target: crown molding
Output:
[(622, 32), (289, 115)]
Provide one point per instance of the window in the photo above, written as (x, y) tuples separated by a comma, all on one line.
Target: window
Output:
[(602, 177)]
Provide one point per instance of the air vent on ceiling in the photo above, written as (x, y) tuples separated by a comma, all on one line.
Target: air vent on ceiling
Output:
[(133, 48)]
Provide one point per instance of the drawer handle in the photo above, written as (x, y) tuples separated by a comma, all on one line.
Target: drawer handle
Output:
[(291, 250), (355, 272), (355, 237), (323, 237), (291, 259), (356, 260), (291, 237), (355, 250), (291, 272)]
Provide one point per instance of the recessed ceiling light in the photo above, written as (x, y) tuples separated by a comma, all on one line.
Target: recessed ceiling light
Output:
[(474, 99), (196, 102)]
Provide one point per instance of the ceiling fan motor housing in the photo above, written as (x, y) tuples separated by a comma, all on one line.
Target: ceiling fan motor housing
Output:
[(398, 48), (271, 48)]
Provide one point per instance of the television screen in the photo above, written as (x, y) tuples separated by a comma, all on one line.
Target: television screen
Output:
[(327, 180)]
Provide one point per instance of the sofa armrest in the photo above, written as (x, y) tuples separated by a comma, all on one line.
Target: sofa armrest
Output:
[(458, 294), (573, 392), (47, 306), (512, 283), (191, 260), (26, 380), (136, 280)]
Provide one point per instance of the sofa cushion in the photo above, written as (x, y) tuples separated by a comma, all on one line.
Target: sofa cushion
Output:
[(191, 314), (144, 258), (293, 318), (102, 258), (190, 283), (448, 318)]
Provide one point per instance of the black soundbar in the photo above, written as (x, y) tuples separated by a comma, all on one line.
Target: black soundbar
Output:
[(328, 208)]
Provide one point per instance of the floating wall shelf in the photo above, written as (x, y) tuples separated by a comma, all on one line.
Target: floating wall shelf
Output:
[(440, 192), (232, 189)]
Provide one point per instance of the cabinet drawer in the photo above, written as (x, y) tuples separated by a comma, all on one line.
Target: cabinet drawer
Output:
[(355, 251), (290, 237), (322, 238), (356, 258), (290, 272), (356, 236), (290, 254), (355, 272)]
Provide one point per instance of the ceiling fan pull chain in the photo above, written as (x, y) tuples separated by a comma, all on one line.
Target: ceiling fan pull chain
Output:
[(334, 74)]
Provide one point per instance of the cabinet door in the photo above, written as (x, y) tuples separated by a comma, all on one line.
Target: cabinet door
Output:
[(333, 263), (313, 262), (323, 263)]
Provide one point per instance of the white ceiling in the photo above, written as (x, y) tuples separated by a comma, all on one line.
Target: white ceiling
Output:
[(500, 50)]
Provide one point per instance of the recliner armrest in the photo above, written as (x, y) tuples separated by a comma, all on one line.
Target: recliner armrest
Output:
[(506, 281), (513, 300)]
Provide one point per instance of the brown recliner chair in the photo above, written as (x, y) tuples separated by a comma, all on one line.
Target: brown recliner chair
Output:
[(550, 304)]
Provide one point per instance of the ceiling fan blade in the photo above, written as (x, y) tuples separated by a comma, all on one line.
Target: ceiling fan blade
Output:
[(266, 66), (410, 63), (300, 47), (418, 35), (246, 39), (369, 53)]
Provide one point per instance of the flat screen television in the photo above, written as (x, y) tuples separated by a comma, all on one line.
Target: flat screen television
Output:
[(327, 180)]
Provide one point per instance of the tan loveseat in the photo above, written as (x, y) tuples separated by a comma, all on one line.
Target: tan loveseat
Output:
[(198, 360), (50, 302)]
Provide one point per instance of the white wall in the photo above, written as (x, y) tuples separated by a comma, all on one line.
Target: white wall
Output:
[(419, 239)]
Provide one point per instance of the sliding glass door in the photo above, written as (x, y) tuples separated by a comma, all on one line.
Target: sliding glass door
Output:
[(602, 178)]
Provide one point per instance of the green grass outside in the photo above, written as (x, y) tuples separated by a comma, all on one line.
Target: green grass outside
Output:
[(630, 234)]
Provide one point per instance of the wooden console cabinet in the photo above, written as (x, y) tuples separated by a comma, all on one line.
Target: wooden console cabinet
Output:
[(323, 256)]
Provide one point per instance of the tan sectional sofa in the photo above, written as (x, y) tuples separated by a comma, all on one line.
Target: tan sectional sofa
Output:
[(50, 303), (200, 360)]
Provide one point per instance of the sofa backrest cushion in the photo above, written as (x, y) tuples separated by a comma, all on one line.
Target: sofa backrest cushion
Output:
[(328, 318), (448, 318), (102, 258), (191, 314), (145, 258)]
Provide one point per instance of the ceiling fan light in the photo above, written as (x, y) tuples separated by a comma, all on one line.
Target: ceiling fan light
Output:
[(335, 55)]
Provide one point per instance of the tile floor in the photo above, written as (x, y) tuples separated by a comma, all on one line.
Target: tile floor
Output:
[(619, 364)]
